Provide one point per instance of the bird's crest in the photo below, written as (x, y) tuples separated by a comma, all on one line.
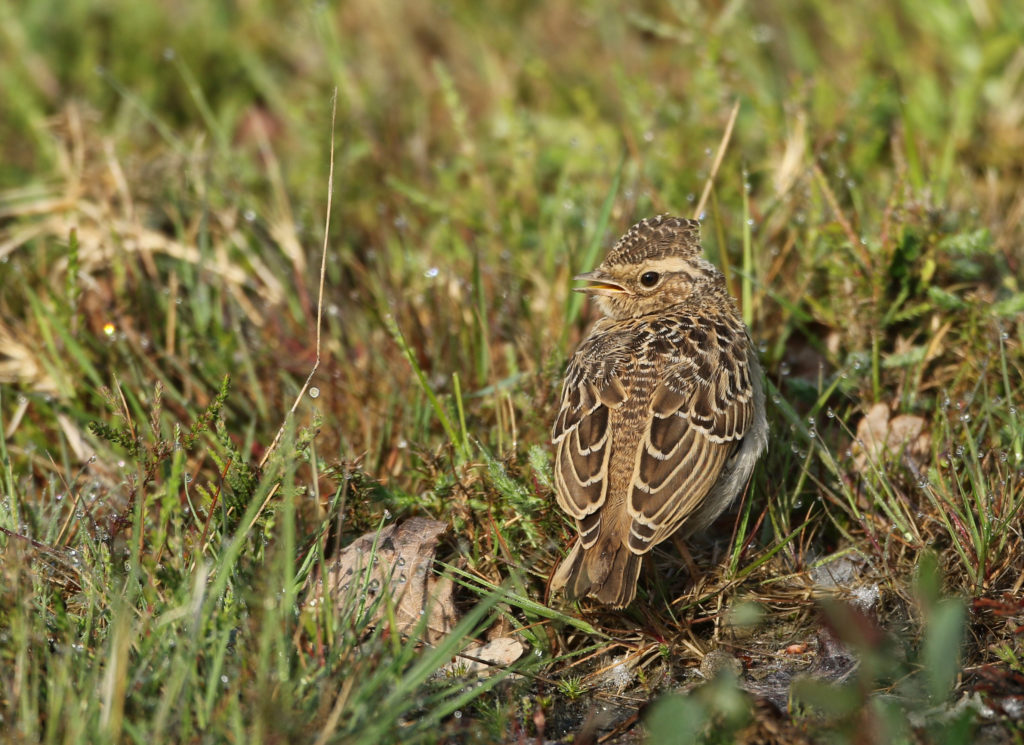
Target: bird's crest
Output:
[(655, 238)]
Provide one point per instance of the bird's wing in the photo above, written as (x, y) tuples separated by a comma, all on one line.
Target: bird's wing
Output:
[(581, 433), (699, 412)]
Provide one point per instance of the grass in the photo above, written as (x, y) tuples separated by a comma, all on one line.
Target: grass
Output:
[(163, 182)]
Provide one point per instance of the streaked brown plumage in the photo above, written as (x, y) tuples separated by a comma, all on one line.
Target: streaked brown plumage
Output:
[(662, 415)]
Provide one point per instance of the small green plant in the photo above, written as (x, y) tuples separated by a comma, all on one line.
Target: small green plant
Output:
[(711, 713), (898, 686), (572, 687)]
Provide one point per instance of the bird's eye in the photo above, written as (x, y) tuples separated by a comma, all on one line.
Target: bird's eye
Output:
[(649, 279)]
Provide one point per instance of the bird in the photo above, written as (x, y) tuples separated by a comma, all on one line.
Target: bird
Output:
[(662, 414)]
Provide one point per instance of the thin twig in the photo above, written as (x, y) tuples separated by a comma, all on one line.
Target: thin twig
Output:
[(722, 146), (197, 552), (54, 552), (320, 296), (851, 236)]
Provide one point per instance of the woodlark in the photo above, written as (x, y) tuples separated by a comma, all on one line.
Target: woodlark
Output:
[(662, 415)]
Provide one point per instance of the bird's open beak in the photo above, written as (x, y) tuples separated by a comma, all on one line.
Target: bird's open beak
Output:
[(600, 284)]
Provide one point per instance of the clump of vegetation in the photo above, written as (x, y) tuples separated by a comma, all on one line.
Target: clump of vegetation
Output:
[(163, 196)]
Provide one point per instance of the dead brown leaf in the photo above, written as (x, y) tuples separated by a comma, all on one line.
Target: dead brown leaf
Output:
[(482, 659), (397, 560), (880, 438)]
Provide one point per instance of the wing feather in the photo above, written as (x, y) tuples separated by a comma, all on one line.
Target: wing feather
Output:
[(698, 415), (582, 434)]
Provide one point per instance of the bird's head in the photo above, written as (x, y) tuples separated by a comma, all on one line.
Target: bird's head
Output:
[(656, 265)]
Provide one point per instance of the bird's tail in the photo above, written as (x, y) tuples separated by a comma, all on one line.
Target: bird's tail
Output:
[(607, 571)]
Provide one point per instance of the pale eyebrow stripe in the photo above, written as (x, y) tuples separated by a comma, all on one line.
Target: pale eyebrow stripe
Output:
[(670, 264)]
